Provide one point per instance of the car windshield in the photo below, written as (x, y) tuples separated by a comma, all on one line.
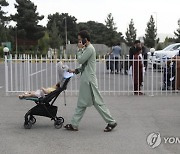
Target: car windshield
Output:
[(176, 47), (171, 47)]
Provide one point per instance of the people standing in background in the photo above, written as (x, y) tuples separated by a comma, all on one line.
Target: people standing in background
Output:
[(115, 56), (137, 69), (176, 59)]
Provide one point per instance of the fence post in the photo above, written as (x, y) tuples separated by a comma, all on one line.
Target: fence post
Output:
[(11, 71), (29, 81), (109, 73), (152, 79), (104, 73), (6, 76), (70, 60), (36, 73), (99, 72), (16, 76), (76, 77), (128, 74), (41, 71)]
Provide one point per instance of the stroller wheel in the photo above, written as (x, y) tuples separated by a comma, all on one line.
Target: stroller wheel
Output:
[(60, 119), (27, 125), (58, 122), (32, 120)]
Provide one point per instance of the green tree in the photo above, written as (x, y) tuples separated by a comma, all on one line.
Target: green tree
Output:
[(100, 33), (130, 34), (151, 34), (27, 19), (97, 31), (43, 44), (112, 36), (63, 20), (3, 20), (110, 24), (55, 39), (177, 34)]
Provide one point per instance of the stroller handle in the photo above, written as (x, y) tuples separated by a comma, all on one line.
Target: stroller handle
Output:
[(64, 86)]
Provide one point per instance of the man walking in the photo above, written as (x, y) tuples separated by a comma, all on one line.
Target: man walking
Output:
[(88, 93)]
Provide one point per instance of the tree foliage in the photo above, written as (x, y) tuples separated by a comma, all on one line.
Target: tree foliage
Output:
[(55, 39), (3, 20), (27, 20), (110, 24), (177, 34), (130, 34), (43, 43), (100, 33), (151, 34), (96, 30), (61, 20), (112, 36)]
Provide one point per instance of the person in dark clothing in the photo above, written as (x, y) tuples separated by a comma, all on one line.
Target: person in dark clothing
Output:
[(145, 55), (170, 73), (116, 51), (114, 56), (137, 67), (132, 50)]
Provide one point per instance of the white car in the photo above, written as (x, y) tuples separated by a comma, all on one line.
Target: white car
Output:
[(160, 56)]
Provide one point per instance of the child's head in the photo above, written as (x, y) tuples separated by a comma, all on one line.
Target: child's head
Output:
[(58, 85)]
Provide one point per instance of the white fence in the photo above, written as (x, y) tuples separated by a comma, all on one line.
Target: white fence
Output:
[(25, 73)]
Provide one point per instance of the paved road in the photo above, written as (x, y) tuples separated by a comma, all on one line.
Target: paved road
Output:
[(137, 117)]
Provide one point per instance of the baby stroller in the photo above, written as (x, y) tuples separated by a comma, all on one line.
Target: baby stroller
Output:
[(44, 104), (44, 107)]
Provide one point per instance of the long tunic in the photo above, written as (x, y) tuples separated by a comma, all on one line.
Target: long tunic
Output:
[(137, 70), (88, 92)]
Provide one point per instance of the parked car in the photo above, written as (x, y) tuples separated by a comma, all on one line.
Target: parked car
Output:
[(159, 57)]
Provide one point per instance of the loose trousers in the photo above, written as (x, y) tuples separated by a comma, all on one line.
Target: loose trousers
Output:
[(102, 109)]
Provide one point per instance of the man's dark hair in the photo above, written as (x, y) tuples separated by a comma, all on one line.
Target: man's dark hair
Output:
[(84, 34), (137, 41)]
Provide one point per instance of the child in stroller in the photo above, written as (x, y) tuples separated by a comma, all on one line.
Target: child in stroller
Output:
[(44, 103), (40, 92)]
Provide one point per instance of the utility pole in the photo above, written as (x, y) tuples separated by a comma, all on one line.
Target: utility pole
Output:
[(65, 20), (65, 29), (16, 40)]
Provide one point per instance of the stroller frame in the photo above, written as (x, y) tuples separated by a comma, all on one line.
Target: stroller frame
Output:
[(44, 107)]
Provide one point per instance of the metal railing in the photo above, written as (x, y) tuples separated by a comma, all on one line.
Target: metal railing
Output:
[(25, 73)]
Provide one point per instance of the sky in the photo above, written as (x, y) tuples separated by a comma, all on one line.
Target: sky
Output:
[(165, 12)]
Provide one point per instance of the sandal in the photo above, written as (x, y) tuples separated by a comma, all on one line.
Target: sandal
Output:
[(70, 127), (110, 127)]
